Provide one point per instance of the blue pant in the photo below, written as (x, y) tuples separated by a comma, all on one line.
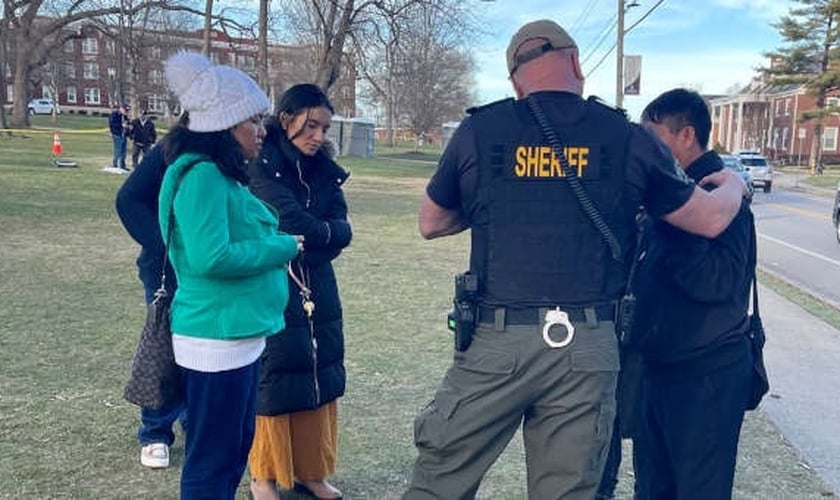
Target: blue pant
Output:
[(156, 425), (222, 407), (119, 151), (691, 422)]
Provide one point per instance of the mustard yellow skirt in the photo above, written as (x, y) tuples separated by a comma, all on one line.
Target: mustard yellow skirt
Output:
[(302, 445)]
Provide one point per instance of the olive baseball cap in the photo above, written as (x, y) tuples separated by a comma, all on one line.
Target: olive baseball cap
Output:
[(555, 37)]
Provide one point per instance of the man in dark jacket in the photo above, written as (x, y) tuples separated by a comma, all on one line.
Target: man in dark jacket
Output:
[(118, 125), (143, 135), (693, 301), (137, 207)]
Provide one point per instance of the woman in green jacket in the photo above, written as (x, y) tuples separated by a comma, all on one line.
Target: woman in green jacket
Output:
[(230, 260)]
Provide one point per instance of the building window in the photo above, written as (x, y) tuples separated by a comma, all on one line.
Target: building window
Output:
[(155, 77), (92, 96), (214, 57), (829, 139), (46, 91), (345, 92), (157, 103), (154, 52), (91, 71), (247, 62), (785, 139), (70, 70), (71, 95), (8, 70), (832, 102), (787, 106), (90, 46), (111, 48), (10, 93), (778, 107), (232, 59)]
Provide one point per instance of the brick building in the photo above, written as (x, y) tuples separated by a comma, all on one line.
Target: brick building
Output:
[(93, 73), (768, 118)]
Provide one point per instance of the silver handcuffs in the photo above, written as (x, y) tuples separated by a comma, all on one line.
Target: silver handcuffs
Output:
[(557, 317)]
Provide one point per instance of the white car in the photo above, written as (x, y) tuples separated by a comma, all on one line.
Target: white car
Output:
[(43, 106), (759, 168), (734, 162)]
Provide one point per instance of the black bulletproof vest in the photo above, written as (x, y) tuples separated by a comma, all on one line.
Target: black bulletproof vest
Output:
[(534, 245)]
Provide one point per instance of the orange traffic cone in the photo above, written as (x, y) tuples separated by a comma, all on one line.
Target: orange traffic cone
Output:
[(56, 144)]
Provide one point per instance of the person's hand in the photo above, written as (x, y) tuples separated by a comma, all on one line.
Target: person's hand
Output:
[(724, 176), (721, 177)]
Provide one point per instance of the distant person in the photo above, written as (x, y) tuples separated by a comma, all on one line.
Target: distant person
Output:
[(143, 135), (231, 261), (536, 346), (118, 125), (137, 207), (694, 295), (303, 375)]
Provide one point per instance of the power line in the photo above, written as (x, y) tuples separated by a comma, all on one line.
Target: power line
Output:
[(644, 16), (601, 61), (580, 21), (605, 33)]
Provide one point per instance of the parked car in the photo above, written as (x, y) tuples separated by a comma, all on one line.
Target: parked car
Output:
[(43, 106), (835, 213), (758, 167), (733, 162)]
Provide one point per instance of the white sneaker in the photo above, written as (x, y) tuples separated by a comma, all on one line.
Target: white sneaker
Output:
[(155, 455)]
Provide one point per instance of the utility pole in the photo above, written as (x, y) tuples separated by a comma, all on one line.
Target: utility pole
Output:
[(619, 57), (619, 52)]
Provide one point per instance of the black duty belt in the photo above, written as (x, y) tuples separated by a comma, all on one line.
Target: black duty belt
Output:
[(536, 315)]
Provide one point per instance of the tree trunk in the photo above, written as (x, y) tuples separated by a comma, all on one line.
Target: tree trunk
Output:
[(208, 23), (262, 55)]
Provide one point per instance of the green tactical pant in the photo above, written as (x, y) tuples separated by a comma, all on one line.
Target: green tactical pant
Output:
[(564, 398)]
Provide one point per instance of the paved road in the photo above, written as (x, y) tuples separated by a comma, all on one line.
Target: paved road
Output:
[(802, 352), (796, 238)]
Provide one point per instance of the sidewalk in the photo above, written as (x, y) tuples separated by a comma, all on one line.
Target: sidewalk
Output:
[(794, 181), (802, 355)]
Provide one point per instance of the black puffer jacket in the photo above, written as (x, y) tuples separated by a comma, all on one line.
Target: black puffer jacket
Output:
[(297, 372)]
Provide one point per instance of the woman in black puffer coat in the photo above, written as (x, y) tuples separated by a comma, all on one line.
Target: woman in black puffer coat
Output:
[(303, 366)]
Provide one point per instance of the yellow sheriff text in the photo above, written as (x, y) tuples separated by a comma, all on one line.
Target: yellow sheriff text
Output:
[(540, 161)]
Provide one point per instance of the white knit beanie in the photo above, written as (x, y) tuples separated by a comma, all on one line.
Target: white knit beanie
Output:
[(216, 97)]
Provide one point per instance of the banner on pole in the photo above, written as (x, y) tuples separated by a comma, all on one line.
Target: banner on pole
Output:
[(632, 75)]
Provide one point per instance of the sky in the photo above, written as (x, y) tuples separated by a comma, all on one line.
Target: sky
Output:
[(707, 45)]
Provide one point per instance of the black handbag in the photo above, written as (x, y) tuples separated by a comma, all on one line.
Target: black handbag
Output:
[(155, 380), (760, 384)]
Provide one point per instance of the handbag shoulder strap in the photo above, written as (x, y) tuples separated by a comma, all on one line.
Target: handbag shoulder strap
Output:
[(160, 293), (582, 196), (753, 261)]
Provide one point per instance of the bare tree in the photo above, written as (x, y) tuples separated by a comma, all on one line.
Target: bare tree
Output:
[(434, 74), (324, 25), (406, 54), (35, 29)]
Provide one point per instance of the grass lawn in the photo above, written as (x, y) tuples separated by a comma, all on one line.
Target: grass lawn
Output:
[(72, 309)]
